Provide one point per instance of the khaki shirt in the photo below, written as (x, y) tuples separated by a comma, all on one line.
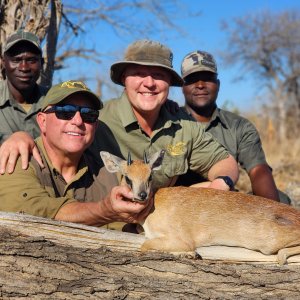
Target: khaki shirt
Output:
[(239, 136), (42, 192), (13, 117), (185, 141)]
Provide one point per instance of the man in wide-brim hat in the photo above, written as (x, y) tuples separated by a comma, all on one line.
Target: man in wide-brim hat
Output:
[(138, 121)]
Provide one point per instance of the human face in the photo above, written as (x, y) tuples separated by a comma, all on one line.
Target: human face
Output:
[(22, 64), (201, 89), (67, 137), (147, 87)]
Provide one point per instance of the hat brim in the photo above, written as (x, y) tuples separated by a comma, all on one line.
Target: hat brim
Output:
[(12, 44), (118, 68), (50, 99), (195, 70)]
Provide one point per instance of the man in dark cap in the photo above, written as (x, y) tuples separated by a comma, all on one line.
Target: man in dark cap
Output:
[(72, 186), (235, 133), (20, 94)]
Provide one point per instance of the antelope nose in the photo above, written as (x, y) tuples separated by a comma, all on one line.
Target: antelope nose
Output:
[(143, 195)]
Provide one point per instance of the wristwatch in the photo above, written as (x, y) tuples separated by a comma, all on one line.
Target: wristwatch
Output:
[(228, 181)]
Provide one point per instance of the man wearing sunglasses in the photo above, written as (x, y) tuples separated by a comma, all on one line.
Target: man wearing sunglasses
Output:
[(72, 186), (20, 95)]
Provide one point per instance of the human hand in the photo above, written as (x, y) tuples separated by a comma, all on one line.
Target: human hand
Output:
[(219, 184), (18, 144), (204, 184), (119, 207), (172, 106)]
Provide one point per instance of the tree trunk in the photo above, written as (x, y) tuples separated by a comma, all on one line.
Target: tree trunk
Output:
[(41, 17), (45, 259)]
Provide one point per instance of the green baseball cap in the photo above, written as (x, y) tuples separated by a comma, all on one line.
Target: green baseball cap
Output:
[(198, 61), (61, 91), (146, 53), (21, 36)]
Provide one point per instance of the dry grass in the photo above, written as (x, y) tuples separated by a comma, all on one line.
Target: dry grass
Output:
[(284, 158)]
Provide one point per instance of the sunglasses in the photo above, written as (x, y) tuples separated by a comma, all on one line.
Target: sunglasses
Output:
[(68, 111)]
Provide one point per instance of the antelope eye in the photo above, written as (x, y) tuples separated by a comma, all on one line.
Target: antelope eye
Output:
[(128, 181)]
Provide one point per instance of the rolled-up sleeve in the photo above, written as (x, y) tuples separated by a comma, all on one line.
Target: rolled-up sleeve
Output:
[(206, 150)]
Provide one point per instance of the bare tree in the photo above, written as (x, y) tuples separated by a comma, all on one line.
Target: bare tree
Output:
[(61, 23), (267, 45)]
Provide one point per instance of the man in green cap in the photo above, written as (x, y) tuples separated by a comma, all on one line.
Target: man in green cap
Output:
[(20, 94), (235, 133), (72, 186), (138, 121)]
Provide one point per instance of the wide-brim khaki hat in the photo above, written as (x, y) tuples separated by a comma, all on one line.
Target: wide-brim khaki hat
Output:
[(146, 53), (61, 91)]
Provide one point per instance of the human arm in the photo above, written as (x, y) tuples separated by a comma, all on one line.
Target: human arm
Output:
[(22, 191), (225, 167), (114, 208), (18, 144), (251, 157), (210, 160), (262, 182)]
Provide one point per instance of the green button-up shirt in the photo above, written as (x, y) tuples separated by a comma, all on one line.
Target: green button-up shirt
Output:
[(239, 136), (185, 141), (13, 117), (42, 192)]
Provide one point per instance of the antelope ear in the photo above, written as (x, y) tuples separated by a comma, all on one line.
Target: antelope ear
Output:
[(155, 160), (112, 163)]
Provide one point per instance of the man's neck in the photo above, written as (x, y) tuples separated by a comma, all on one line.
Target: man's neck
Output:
[(66, 165), (146, 120), (25, 96), (67, 169), (202, 114)]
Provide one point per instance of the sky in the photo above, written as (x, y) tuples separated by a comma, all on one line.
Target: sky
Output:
[(199, 33)]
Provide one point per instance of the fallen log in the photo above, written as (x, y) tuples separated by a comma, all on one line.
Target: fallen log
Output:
[(46, 259)]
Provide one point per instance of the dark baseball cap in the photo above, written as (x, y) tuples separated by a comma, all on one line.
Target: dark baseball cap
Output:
[(198, 61), (21, 36), (61, 91), (146, 53)]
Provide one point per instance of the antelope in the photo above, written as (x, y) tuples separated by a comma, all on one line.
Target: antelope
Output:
[(185, 218)]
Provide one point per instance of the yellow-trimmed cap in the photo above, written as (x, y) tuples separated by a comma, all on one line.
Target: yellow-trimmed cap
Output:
[(61, 91)]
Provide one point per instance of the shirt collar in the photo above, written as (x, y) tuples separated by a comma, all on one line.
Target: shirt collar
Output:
[(125, 111), (216, 118), (7, 96), (82, 168), (127, 116)]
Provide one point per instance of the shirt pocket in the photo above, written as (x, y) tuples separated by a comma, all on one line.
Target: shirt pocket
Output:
[(174, 165)]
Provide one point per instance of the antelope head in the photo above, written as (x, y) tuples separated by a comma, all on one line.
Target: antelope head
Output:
[(136, 174)]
